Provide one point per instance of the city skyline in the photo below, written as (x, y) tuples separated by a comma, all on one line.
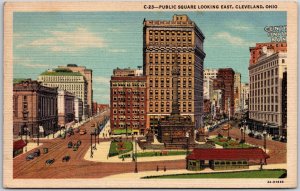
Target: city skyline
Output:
[(95, 40)]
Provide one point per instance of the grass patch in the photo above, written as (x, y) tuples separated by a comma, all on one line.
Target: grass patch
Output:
[(121, 131), (272, 173), (155, 154), (116, 148), (225, 143)]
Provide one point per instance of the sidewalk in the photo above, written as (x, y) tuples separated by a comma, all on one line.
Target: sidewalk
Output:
[(184, 171)]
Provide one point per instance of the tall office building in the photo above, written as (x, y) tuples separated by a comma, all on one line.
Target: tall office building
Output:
[(88, 74), (244, 96), (128, 101), (237, 92), (65, 79), (266, 95), (165, 42)]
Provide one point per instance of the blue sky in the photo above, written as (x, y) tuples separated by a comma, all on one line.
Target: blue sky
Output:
[(103, 41)]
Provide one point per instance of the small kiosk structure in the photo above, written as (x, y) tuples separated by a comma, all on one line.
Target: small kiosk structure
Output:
[(224, 159)]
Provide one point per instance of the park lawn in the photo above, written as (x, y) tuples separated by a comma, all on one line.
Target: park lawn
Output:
[(114, 151), (223, 144), (121, 131), (272, 173)]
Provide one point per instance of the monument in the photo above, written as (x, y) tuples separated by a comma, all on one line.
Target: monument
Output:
[(176, 131)]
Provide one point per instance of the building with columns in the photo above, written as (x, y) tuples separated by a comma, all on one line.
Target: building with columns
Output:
[(164, 43), (66, 109), (66, 79), (34, 109)]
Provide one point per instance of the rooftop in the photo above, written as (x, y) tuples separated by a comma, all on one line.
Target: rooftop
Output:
[(60, 72), (228, 154)]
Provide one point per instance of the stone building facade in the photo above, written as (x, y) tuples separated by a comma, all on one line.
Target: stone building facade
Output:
[(88, 75), (66, 109), (163, 43), (266, 84), (65, 79), (127, 101), (34, 109)]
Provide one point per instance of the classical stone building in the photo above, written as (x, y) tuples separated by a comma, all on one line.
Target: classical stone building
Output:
[(128, 101), (88, 74), (78, 107), (266, 95), (163, 43), (65, 79), (34, 109), (244, 96), (65, 105)]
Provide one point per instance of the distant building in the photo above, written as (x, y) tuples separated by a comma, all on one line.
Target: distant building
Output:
[(237, 92), (65, 79), (98, 108), (256, 52), (65, 105), (165, 42), (244, 96), (88, 74), (34, 109), (265, 101), (127, 101), (210, 73), (225, 82), (78, 107)]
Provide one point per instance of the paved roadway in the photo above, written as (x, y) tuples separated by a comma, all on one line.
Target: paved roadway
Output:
[(77, 167), (277, 150)]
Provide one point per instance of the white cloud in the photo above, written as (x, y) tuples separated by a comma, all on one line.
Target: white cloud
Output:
[(101, 80), (231, 39), (240, 26), (115, 50), (62, 41), (29, 63)]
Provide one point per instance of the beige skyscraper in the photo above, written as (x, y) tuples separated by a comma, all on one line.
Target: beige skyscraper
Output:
[(237, 92), (166, 42)]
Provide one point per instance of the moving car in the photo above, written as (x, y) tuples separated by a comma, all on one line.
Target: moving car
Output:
[(30, 157), (50, 161), (78, 143), (82, 131), (75, 148), (66, 158), (37, 152), (70, 144)]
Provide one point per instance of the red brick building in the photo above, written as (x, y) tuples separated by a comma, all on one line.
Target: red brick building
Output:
[(34, 109), (225, 82), (256, 52), (98, 108), (128, 101)]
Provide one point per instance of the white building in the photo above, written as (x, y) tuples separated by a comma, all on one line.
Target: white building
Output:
[(265, 101), (65, 107), (65, 79), (244, 96), (237, 92), (210, 73), (78, 106)]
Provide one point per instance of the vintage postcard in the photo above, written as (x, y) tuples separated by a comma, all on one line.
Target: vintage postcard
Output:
[(150, 94)]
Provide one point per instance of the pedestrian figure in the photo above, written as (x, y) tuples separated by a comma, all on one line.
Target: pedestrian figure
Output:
[(165, 169), (157, 169)]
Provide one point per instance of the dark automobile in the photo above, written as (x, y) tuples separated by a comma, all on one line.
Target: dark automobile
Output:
[(66, 158), (50, 161), (30, 157), (283, 139), (75, 148), (45, 150), (37, 152), (275, 138), (77, 130), (70, 144), (258, 137), (78, 143), (251, 134)]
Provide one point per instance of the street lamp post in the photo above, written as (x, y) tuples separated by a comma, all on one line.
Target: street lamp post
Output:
[(95, 140), (265, 140), (91, 146), (38, 135), (136, 168)]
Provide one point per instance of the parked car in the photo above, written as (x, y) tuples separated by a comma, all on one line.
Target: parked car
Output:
[(75, 148), (251, 134), (82, 131), (30, 157), (283, 139), (70, 144), (45, 150), (77, 130), (78, 143), (50, 161), (258, 136), (66, 158), (37, 152)]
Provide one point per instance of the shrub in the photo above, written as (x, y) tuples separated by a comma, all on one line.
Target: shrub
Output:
[(229, 138), (219, 135)]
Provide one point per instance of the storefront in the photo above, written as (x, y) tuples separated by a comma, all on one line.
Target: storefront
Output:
[(224, 159)]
